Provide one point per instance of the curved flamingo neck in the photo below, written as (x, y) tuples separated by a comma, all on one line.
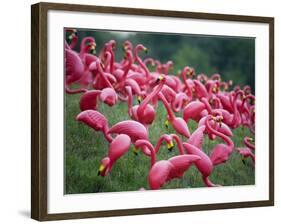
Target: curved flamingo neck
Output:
[(159, 142), (147, 99), (108, 56), (85, 39), (234, 105), (179, 143), (248, 97), (227, 140), (74, 91), (158, 66), (73, 42), (166, 104), (106, 134), (216, 77), (207, 105), (248, 144), (167, 67), (83, 46), (146, 143), (128, 66), (103, 75), (183, 75), (142, 65), (130, 100), (112, 59)]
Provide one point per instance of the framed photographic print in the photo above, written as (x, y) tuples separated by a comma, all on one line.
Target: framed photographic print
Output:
[(138, 111)]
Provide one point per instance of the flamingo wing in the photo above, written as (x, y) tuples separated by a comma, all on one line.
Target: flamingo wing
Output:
[(93, 119), (119, 146), (159, 174), (133, 129), (181, 163), (181, 127), (197, 137), (88, 100), (73, 66)]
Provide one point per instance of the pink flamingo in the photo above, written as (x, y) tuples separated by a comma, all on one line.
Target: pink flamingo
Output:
[(188, 83), (219, 125), (133, 129), (146, 146), (145, 112), (195, 110), (165, 170), (74, 69), (89, 99), (247, 142), (95, 120), (117, 148), (72, 38), (246, 152), (177, 122), (194, 147), (138, 48), (200, 90), (221, 152)]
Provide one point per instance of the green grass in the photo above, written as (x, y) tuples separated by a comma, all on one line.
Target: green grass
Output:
[(84, 148)]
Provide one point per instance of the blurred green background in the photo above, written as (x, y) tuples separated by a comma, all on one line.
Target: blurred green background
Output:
[(232, 57)]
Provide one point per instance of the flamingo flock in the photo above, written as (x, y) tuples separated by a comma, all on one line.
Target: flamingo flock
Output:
[(209, 101)]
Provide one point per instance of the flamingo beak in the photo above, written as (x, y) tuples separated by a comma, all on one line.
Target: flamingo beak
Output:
[(167, 123), (139, 98), (101, 169), (160, 78), (243, 160), (145, 50), (93, 48), (214, 90), (170, 146), (135, 151)]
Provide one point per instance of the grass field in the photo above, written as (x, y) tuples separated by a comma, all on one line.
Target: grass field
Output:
[(84, 148)]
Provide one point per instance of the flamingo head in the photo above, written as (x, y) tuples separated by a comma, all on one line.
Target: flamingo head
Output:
[(92, 47), (72, 35), (127, 46), (169, 141), (112, 44), (191, 72), (140, 47), (104, 167), (218, 119), (160, 79), (139, 99)]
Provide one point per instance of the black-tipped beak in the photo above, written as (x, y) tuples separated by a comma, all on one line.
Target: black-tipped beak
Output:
[(145, 50), (243, 161), (99, 173), (93, 51), (170, 148)]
